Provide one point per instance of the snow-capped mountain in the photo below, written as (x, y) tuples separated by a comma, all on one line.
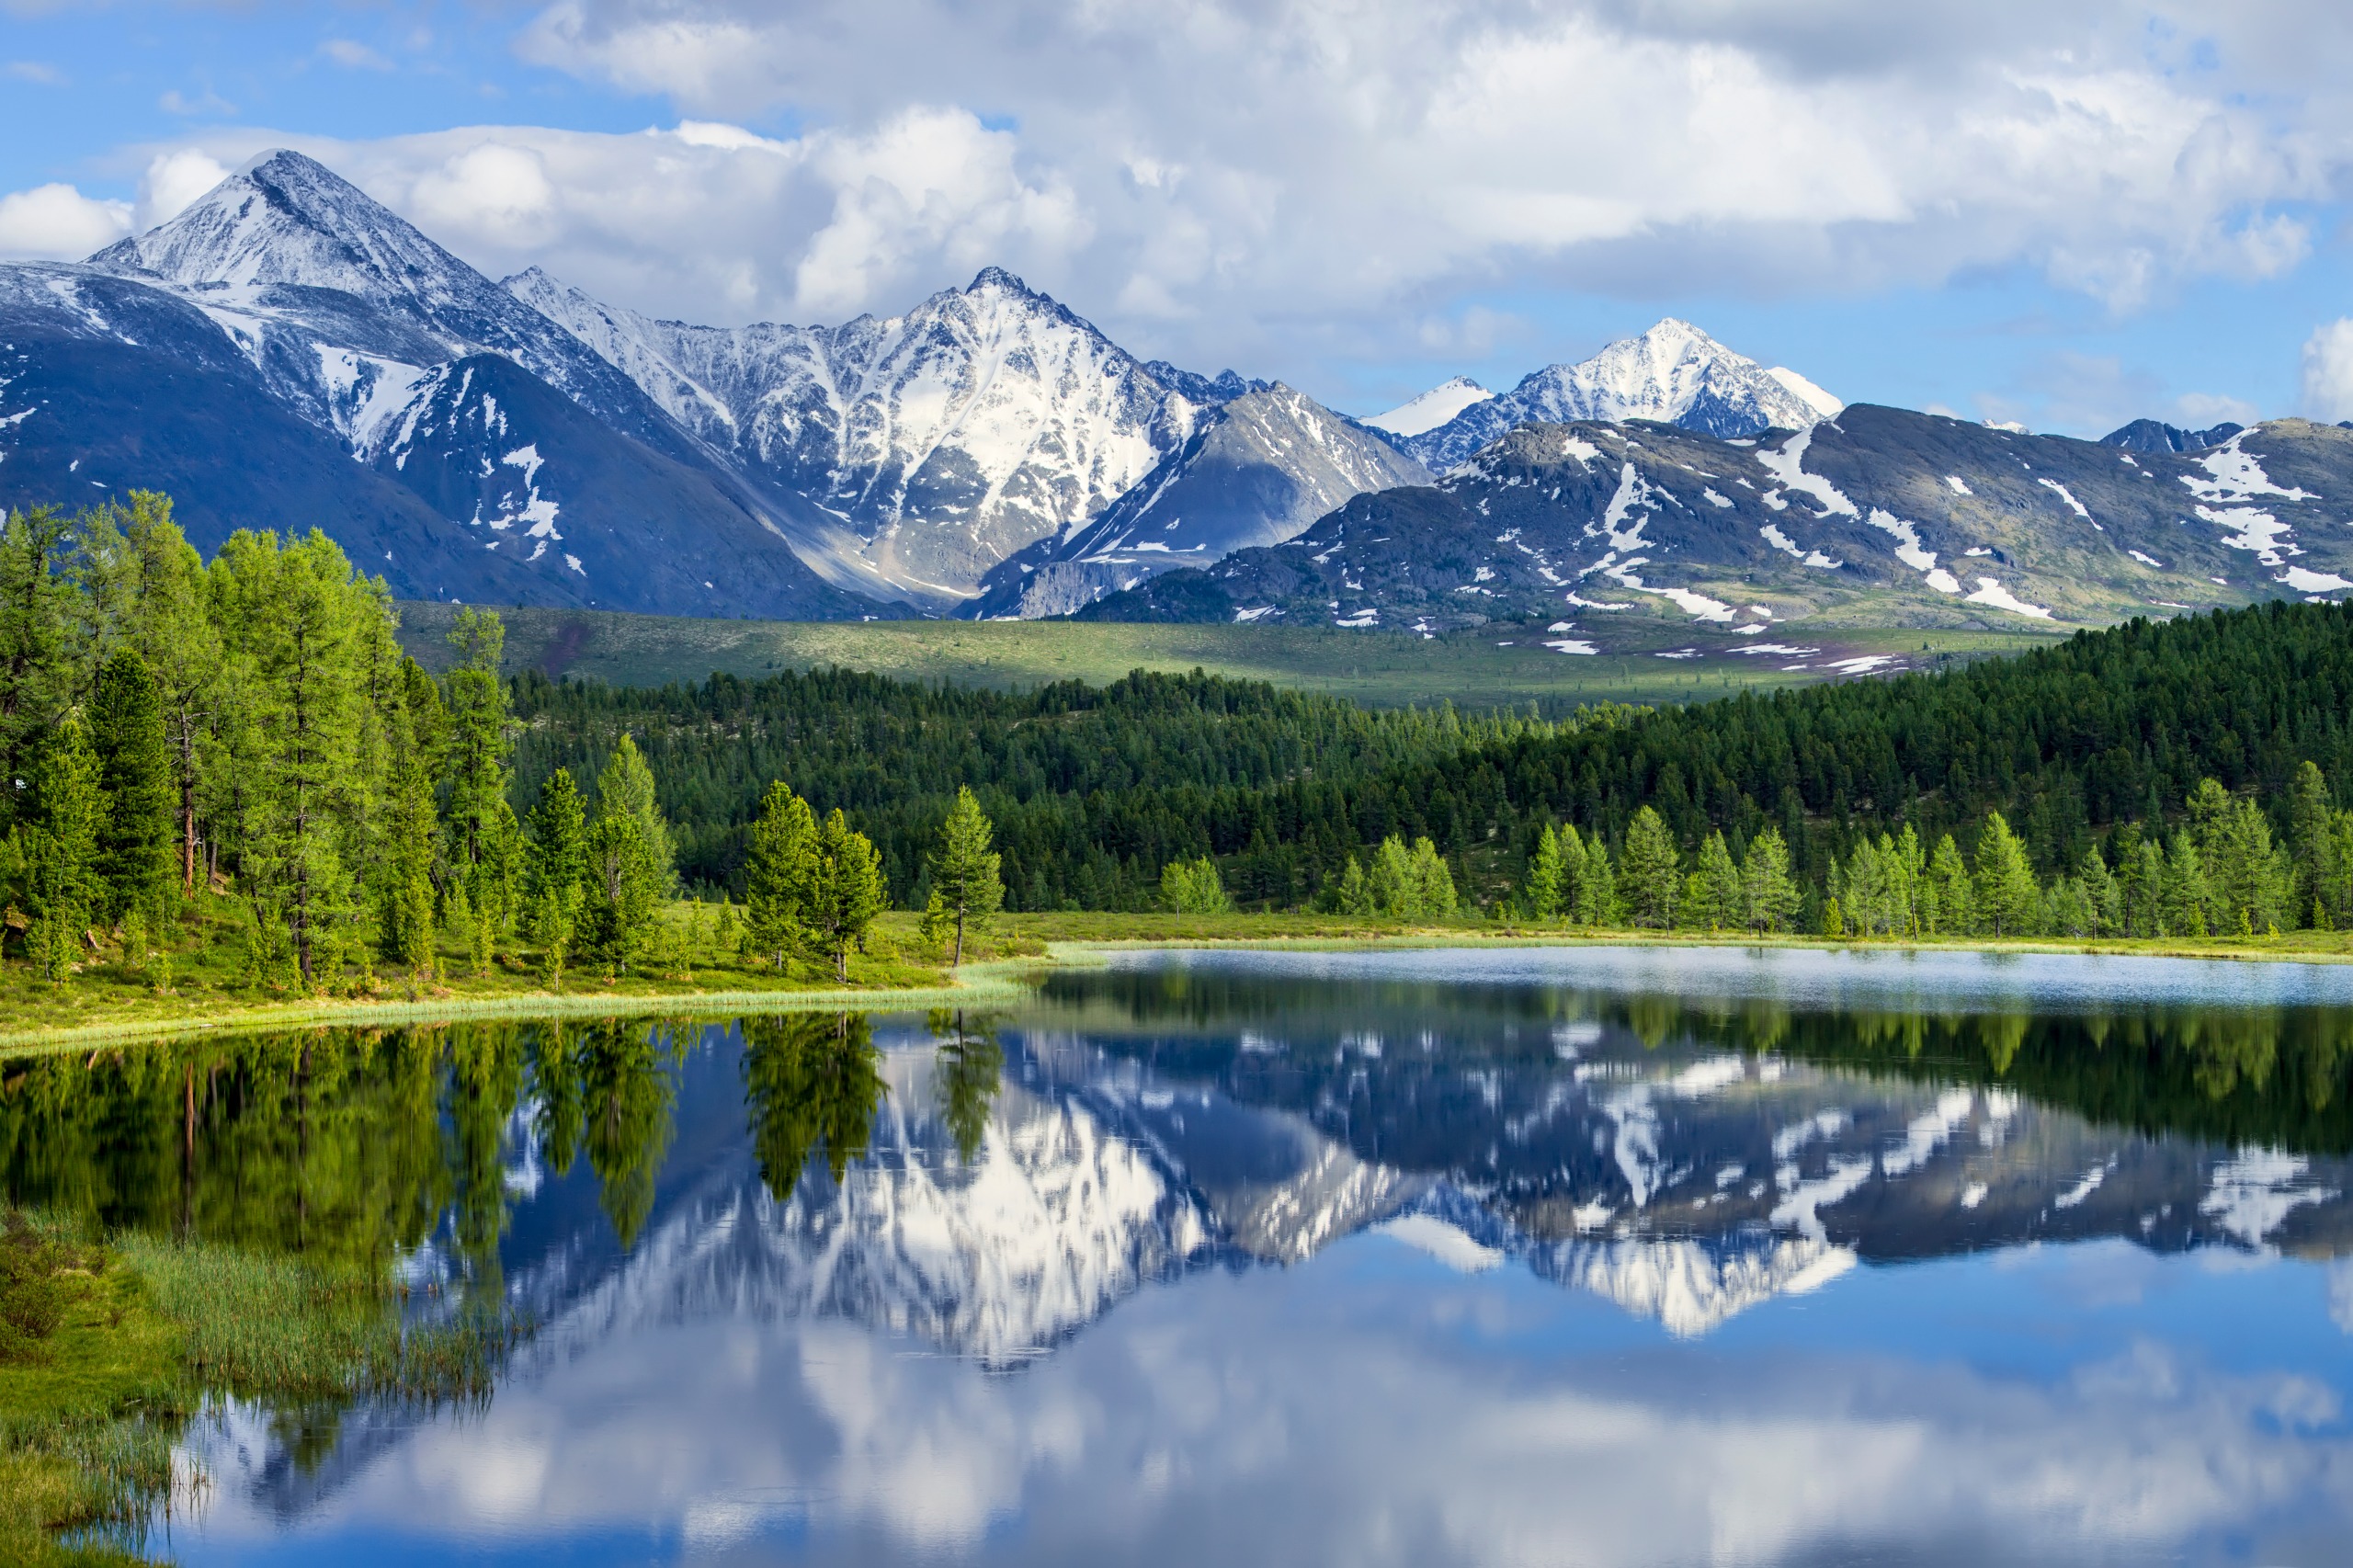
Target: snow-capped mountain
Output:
[(1254, 471), (1593, 528), (1432, 408), (933, 445), (1674, 374)]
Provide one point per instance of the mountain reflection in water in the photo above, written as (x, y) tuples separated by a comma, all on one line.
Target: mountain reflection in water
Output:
[(1471, 1257)]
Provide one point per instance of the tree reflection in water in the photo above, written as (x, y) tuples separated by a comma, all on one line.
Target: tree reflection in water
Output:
[(967, 1071), (811, 1082)]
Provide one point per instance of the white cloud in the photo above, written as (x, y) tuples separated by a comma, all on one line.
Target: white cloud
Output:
[(39, 72), (207, 102), (352, 53), (172, 181), (57, 222), (2328, 371)]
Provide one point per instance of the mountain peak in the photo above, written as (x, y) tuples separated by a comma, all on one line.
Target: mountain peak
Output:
[(289, 219), (998, 278), (1432, 408)]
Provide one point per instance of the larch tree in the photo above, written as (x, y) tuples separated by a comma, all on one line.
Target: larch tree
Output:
[(67, 808), (1650, 872), (780, 874), (1540, 889), (847, 891), (2006, 895), (554, 865), (966, 885)]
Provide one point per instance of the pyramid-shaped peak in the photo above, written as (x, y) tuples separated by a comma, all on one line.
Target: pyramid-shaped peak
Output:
[(287, 218), (998, 278)]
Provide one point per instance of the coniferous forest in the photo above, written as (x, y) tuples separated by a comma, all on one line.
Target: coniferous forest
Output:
[(247, 731)]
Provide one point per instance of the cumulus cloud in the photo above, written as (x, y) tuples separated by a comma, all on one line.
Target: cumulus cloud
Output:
[(57, 222), (2328, 371), (172, 181), (352, 53), (1354, 154)]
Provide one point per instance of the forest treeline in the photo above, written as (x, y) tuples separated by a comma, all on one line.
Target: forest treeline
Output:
[(250, 727)]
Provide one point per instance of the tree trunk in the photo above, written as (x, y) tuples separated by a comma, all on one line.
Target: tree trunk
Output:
[(958, 961)]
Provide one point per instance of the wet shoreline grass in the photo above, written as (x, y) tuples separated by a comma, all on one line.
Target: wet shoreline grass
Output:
[(1002, 968)]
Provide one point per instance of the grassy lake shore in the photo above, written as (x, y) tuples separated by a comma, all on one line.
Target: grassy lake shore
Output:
[(109, 1005)]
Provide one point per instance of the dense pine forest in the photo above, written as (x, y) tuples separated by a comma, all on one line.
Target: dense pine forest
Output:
[(247, 732)]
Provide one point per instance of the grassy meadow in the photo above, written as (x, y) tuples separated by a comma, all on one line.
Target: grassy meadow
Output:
[(1642, 660)]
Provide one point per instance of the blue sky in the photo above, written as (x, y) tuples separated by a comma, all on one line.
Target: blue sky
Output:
[(2069, 213)]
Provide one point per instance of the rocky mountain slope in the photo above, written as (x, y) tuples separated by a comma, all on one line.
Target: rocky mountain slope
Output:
[(1674, 374), (1881, 517), (879, 467), (932, 445), (1255, 472)]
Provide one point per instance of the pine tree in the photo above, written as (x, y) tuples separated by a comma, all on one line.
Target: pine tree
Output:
[(62, 845), (1768, 895), (848, 891), (1541, 888), (1649, 872), (780, 872), (554, 867), (966, 888), (2006, 895), (126, 727)]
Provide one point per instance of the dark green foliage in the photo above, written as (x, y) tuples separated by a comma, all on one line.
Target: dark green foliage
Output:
[(134, 851), (811, 1082), (33, 542)]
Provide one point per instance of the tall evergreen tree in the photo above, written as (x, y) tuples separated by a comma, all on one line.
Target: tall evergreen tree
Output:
[(1649, 872), (404, 882), (33, 678), (67, 809), (779, 875), (966, 886), (2006, 896), (848, 893), (554, 866), (481, 824), (1717, 901), (135, 776), (1539, 895), (2311, 841), (174, 631), (1768, 895), (2187, 900), (626, 872)]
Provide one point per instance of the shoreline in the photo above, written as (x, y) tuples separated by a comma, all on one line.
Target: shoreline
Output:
[(1007, 980)]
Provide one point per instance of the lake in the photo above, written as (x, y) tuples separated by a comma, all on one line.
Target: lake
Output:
[(1585, 1256)]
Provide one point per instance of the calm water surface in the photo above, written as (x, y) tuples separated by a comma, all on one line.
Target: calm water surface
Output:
[(1635, 1256)]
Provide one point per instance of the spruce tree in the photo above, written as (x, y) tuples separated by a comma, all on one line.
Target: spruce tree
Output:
[(780, 874), (135, 776), (1650, 872)]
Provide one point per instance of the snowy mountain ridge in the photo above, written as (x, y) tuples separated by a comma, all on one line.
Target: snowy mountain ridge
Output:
[(1674, 374)]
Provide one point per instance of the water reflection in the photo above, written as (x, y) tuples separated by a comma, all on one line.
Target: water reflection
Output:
[(1480, 1257)]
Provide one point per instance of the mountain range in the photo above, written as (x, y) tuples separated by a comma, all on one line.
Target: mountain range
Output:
[(287, 353)]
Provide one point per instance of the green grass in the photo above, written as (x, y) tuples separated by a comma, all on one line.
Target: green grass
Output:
[(203, 986), (90, 1410), (1473, 670)]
